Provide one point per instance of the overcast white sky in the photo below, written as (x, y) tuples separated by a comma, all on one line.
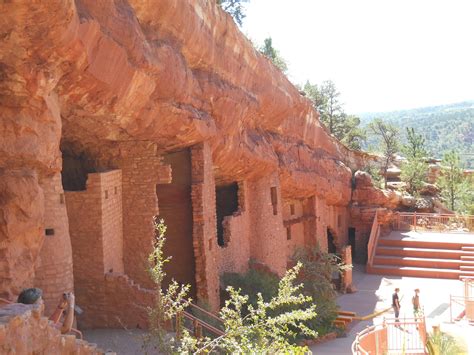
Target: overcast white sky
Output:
[(382, 55)]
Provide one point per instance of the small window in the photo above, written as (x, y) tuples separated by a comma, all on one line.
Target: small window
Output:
[(292, 209), (61, 199), (49, 231), (115, 190), (288, 233), (274, 197), (106, 194)]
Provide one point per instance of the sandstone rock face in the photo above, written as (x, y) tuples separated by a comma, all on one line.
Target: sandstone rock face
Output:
[(81, 78), (366, 194), (21, 233), (24, 330)]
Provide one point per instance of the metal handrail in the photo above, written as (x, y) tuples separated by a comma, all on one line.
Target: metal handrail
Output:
[(373, 239), (433, 222)]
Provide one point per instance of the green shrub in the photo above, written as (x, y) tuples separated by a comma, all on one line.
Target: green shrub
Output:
[(440, 343), (251, 283), (316, 276)]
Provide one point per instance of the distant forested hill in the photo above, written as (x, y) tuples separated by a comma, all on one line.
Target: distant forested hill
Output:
[(444, 127)]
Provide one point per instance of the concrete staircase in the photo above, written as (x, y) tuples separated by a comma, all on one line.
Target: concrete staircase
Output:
[(422, 258)]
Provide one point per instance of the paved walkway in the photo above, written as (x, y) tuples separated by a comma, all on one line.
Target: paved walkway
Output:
[(374, 294), (453, 237)]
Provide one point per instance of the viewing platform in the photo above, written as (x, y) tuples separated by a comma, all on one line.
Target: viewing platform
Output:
[(425, 245)]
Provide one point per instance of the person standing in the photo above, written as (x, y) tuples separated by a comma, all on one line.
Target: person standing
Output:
[(396, 305), (416, 305)]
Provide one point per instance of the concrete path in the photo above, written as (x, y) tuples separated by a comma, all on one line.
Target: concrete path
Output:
[(374, 294), (120, 341)]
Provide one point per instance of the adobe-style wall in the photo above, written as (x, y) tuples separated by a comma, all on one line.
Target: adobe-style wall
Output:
[(267, 234), (235, 254), (54, 268), (95, 216), (142, 169), (24, 330), (203, 195), (132, 81)]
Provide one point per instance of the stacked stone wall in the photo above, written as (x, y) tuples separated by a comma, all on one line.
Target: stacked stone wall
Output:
[(97, 241), (203, 196), (54, 269), (235, 255), (268, 243), (142, 169), (294, 220)]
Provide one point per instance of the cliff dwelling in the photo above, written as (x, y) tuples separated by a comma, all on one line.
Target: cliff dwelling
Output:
[(115, 113)]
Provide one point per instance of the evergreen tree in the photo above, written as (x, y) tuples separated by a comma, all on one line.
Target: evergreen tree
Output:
[(415, 147), (344, 127), (234, 8), (273, 54), (389, 137), (414, 169), (456, 188)]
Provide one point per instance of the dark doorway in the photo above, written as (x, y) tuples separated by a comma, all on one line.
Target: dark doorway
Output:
[(352, 240), (227, 202), (74, 172), (174, 204), (332, 248)]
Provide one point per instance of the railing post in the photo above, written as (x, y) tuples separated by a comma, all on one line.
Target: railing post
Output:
[(178, 326), (197, 329), (414, 220)]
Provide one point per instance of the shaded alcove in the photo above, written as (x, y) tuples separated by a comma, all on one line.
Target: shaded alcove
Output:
[(332, 248), (227, 202), (352, 240), (175, 207), (74, 171)]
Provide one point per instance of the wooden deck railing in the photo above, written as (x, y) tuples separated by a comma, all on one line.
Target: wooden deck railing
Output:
[(373, 239), (198, 321), (445, 223)]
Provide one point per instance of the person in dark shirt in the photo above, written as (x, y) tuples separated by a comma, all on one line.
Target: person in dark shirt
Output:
[(396, 305)]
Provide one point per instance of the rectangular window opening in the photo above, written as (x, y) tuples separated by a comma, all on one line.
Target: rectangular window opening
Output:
[(49, 231), (274, 197), (288, 233)]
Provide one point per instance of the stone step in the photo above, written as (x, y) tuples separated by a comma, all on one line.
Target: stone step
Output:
[(414, 243), (468, 248), (467, 267), (418, 272), (421, 262), (423, 252), (467, 257)]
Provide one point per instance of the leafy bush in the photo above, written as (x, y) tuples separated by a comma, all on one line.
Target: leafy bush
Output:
[(316, 276), (253, 282), (440, 343)]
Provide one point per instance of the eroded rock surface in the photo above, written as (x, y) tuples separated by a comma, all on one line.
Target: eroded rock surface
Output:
[(91, 78)]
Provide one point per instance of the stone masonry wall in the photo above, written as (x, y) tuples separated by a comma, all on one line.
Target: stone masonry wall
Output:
[(235, 255), (95, 217), (268, 235), (24, 330), (203, 196), (112, 224), (142, 170), (294, 221), (54, 269)]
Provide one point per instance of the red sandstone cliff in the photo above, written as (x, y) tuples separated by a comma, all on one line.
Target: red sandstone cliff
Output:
[(93, 78)]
